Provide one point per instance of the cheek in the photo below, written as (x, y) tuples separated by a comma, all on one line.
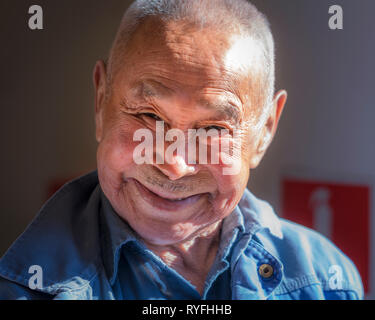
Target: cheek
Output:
[(232, 172), (115, 154), (231, 185), (230, 189)]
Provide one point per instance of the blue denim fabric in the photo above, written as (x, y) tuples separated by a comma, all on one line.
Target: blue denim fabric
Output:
[(87, 252)]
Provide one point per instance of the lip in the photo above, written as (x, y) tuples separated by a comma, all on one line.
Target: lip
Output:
[(163, 203)]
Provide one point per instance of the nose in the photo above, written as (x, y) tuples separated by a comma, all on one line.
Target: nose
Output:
[(177, 168)]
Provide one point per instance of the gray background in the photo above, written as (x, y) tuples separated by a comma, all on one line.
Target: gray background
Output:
[(47, 124)]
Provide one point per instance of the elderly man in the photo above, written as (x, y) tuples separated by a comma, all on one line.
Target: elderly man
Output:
[(178, 227)]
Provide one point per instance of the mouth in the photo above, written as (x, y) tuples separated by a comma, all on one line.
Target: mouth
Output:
[(165, 201)]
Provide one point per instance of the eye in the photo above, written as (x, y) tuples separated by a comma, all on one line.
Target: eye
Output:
[(151, 115), (215, 127)]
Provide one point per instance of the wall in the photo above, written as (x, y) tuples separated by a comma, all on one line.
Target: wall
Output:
[(47, 129)]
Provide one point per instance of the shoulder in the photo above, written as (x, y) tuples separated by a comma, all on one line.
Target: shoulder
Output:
[(62, 240), (310, 258), (322, 251), (307, 258)]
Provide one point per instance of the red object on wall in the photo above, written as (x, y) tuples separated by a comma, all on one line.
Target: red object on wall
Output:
[(341, 212)]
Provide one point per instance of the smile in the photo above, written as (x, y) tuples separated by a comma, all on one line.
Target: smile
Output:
[(161, 200)]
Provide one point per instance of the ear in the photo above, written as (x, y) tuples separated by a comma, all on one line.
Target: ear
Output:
[(270, 127), (99, 78)]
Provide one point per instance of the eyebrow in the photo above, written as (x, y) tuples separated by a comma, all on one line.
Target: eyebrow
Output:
[(151, 89), (226, 109)]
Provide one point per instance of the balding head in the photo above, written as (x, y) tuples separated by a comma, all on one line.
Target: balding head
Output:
[(230, 17)]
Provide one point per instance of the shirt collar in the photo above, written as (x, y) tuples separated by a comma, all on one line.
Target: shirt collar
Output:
[(115, 234), (258, 215), (250, 216)]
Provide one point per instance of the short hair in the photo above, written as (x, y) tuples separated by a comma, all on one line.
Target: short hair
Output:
[(237, 16)]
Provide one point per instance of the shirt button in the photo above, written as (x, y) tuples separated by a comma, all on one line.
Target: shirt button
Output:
[(266, 271)]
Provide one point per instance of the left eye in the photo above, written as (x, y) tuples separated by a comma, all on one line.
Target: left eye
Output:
[(151, 115)]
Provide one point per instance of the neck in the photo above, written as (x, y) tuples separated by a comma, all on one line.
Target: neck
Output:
[(192, 258)]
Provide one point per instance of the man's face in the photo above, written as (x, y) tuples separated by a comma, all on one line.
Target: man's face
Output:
[(188, 80)]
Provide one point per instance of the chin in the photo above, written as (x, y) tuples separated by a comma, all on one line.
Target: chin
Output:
[(167, 234)]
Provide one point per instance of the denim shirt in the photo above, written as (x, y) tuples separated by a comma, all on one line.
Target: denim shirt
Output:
[(84, 250)]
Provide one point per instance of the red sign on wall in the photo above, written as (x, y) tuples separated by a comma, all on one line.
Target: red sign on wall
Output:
[(341, 212)]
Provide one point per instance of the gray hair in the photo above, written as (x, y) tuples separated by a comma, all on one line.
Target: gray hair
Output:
[(237, 16)]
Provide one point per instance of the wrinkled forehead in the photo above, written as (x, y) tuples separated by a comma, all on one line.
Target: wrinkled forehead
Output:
[(192, 58)]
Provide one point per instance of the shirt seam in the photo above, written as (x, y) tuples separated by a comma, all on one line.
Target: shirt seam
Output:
[(309, 280), (280, 293)]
